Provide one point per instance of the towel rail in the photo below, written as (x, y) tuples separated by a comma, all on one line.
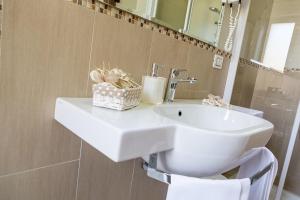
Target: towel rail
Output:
[(164, 177)]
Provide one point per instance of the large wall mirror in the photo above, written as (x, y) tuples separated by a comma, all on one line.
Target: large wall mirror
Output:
[(197, 18), (200, 19)]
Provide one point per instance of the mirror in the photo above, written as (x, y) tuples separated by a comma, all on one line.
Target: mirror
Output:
[(272, 34), (200, 19)]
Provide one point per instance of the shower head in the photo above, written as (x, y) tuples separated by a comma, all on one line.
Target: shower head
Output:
[(214, 9)]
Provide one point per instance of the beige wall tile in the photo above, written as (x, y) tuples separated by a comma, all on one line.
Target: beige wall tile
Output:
[(123, 45), (169, 52), (50, 183), (199, 64), (292, 74), (244, 85), (44, 56), (144, 187), (277, 95), (101, 178), (220, 77)]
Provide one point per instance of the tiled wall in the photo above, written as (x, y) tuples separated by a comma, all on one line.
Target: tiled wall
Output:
[(277, 95), (245, 81), (244, 84), (48, 49)]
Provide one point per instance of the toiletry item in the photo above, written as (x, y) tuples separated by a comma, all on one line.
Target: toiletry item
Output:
[(115, 76), (154, 87), (215, 101), (114, 89)]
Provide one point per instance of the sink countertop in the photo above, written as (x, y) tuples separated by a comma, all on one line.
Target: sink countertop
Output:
[(119, 128)]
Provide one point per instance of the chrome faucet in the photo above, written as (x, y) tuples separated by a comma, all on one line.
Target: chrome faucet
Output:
[(173, 81)]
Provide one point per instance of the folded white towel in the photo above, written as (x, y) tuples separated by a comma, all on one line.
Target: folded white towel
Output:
[(188, 188)]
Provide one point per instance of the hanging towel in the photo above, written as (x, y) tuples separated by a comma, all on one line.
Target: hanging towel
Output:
[(254, 161), (188, 188)]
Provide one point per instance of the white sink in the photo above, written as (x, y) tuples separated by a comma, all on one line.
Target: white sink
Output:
[(209, 138), (190, 139)]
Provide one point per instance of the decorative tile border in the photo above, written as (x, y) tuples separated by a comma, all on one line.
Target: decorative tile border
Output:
[(258, 66), (292, 69), (253, 64), (108, 9)]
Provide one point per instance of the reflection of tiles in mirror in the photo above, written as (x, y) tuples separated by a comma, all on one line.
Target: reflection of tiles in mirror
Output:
[(107, 8)]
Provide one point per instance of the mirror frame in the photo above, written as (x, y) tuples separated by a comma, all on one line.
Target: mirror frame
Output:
[(236, 50)]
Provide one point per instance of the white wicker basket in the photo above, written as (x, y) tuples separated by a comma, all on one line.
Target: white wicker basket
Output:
[(108, 96)]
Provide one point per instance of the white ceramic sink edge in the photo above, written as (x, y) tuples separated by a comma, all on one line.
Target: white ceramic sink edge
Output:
[(190, 138), (208, 139), (118, 140), (249, 111)]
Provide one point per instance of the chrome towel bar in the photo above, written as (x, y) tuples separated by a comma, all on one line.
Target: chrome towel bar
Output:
[(164, 177)]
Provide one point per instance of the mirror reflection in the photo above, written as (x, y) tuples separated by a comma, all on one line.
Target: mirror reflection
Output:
[(272, 33), (201, 19)]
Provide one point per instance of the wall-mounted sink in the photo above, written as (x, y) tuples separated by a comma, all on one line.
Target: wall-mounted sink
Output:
[(190, 139), (207, 138)]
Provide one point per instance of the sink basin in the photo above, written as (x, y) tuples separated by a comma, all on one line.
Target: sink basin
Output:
[(190, 139), (208, 139)]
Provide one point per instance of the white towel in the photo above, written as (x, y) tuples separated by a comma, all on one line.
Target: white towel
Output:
[(256, 160), (188, 188)]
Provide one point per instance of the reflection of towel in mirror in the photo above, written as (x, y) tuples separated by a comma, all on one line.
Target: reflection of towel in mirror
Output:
[(186, 188)]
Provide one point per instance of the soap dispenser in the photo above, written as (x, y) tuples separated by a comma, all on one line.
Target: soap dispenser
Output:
[(154, 87)]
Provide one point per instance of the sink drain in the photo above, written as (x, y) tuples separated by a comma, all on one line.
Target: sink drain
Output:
[(179, 113)]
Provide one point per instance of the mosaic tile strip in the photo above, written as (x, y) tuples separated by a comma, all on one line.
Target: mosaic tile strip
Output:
[(108, 9), (258, 66), (292, 69), (252, 64)]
